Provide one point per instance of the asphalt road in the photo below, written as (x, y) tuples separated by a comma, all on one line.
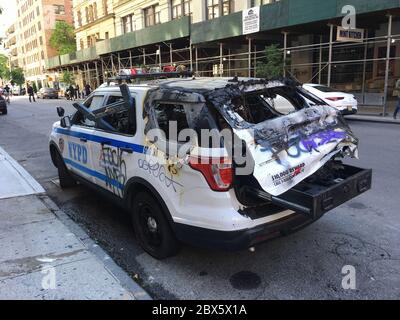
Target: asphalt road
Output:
[(364, 233)]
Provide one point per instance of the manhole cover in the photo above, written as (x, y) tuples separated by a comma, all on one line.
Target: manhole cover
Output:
[(245, 280), (357, 205)]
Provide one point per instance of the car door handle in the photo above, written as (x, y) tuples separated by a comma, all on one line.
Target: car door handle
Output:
[(127, 150), (83, 139)]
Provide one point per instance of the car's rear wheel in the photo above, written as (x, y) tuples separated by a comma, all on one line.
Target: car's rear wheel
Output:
[(66, 180), (151, 226)]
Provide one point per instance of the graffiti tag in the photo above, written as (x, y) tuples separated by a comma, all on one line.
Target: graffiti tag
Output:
[(115, 169), (158, 171)]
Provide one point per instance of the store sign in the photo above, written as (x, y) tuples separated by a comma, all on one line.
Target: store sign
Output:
[(350, 35), (251, 20)]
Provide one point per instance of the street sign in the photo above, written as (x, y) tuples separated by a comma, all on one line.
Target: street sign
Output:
[(349, 35), (251, 20)]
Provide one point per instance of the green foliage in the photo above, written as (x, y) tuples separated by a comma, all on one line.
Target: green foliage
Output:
[(271, 66), (63, 38), (17, 76), (4, 70), (67, 77)]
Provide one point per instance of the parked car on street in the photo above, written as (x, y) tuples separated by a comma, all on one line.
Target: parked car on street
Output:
[(345, 102), (3, 105), (147, 147), (47, 93)]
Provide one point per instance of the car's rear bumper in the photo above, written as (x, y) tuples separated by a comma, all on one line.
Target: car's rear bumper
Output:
[(242, 239)]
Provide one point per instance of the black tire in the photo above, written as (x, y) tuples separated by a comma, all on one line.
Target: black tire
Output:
[(151, 226), (66, 180)]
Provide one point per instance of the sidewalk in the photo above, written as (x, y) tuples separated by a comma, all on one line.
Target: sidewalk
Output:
[(371, 118), (44, 254)]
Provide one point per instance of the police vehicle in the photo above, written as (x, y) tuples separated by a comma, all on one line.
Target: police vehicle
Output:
[(281, 170)]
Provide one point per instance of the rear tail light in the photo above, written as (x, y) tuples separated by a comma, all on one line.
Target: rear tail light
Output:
[(335, 98), (218, 172)]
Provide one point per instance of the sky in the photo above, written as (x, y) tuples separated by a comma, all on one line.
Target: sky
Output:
[(9, 15)]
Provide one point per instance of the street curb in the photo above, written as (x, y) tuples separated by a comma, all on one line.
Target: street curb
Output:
[(369, 119), (123, 278)]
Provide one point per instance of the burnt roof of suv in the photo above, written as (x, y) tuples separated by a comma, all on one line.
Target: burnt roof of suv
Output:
[(211, 84)]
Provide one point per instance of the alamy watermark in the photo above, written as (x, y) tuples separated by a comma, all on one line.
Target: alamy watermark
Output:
[(49, 279), (349, 21), (349, 278)]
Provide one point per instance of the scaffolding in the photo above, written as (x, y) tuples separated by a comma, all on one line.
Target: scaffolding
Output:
[(366, 68)]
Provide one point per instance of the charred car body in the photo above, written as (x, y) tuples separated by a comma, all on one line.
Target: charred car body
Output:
[(193, 183)]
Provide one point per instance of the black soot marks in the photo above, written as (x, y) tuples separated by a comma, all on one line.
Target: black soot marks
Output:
[(245, 280), (357, 205)]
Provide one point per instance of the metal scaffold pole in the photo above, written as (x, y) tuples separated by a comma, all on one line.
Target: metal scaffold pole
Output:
[(170, 54), (221, 61), (196, 57), (191, 55), (285, 34), (387, 70), (97, 74), (249, 58), (330, 55)]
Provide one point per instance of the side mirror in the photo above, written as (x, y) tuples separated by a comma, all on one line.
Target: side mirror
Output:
[(65, 122), (60, 111)]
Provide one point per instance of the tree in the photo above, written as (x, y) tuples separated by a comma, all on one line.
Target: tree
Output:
[(272, 65), (63, 38), (4, 69), (67, 77), (17, 76)]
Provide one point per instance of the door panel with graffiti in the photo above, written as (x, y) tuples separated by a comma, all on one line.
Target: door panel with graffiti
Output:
[(114, 151)]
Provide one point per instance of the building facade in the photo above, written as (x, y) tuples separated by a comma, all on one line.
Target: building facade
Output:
[(208, 36), (35, 23), (11, 46)]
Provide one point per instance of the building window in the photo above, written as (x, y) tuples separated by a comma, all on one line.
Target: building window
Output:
[(128, 23), (217, 8), (105, 7), (106, 35), (91, 15), (39, 26), (79, 18), (81, 44), (95, 10), (59, 9), (152, 15), (180, 8), (87, 14), (255, 3)]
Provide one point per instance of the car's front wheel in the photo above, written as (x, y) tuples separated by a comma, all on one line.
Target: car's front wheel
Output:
[(151, 226), (66, 180)]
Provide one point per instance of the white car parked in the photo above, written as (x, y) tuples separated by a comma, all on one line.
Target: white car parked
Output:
[(279, 172), (345, 102)]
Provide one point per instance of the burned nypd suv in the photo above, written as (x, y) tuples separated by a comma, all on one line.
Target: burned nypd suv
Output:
[(217, 162)]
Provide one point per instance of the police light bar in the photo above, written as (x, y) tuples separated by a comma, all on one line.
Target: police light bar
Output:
[(152, 75)]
